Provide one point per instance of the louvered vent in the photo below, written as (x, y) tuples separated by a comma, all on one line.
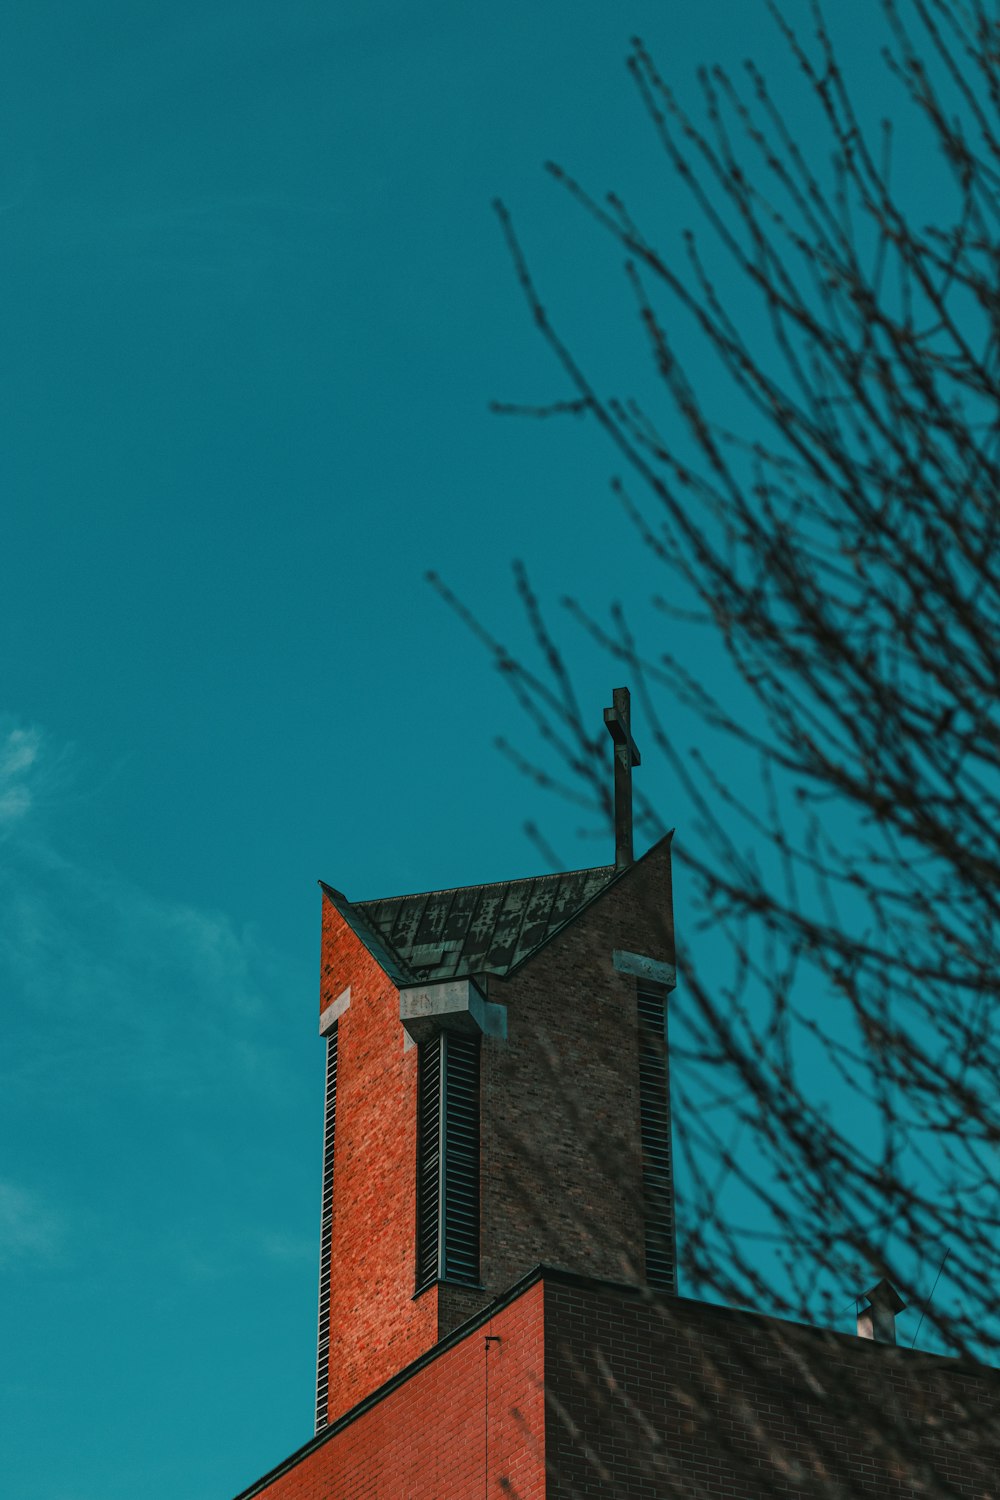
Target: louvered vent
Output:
[(429, 1159), (326, 1232), (461, 1158), (448, 1160), (654, 1120)]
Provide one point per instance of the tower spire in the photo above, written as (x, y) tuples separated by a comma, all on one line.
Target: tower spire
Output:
[(618, 718)]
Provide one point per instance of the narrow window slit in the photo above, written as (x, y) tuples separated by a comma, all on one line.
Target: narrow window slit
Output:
[(654, 1123), (326, 1232), (448, 1160)]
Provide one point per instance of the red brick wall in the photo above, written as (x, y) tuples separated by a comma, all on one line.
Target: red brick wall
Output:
[(376, 1327), (682, 1399), (427, 1439)]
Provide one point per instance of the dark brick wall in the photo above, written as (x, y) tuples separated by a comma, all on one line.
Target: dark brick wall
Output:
[(561, 1156), (648, 1400)]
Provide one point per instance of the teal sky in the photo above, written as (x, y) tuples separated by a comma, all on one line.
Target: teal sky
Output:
[(254, 306)]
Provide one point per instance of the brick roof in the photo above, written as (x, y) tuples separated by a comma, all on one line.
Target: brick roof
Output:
[(478, 929)]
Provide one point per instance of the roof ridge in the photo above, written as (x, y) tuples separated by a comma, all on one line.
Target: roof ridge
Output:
[(490, 928), (483, 885), (378, 945)]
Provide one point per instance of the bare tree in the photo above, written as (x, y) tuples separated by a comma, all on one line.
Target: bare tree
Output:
[(840, 536)]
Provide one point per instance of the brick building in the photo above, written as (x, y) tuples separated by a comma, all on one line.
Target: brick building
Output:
[(499, 1312)]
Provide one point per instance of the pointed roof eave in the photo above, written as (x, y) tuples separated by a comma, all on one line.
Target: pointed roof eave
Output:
[(463, 931), (390, 956), (364, 933), (616, 878)]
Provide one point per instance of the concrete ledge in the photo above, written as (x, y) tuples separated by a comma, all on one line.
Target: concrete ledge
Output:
[(653, 969), (329, 1017), (452, 1005)]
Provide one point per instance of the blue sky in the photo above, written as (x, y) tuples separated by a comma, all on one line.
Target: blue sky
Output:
[(255, 304)]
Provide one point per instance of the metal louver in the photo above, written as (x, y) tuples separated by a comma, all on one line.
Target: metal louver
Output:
[(461, 1158), (429, 1157), (654, 1124), (326, 1232), (448, 1160)]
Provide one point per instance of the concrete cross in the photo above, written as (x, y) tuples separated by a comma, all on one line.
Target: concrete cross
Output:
[(618, 718)]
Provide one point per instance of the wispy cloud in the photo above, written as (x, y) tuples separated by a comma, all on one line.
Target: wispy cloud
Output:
[(151, 993), (137, 1029), (19, 750), (288, 1248), (224, 243), (28, 1227)]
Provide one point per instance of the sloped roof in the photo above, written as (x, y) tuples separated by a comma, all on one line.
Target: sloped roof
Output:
[(476, 929)]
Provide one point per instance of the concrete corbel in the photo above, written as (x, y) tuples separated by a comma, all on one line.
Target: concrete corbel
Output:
[(653, 969), (451, 1005)]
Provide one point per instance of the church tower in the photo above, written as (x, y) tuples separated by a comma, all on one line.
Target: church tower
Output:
[(499, 1313), (496, 1098)]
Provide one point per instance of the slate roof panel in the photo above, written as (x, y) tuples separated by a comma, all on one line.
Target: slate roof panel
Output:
[(456, 928), (480, 929), (436, 908)]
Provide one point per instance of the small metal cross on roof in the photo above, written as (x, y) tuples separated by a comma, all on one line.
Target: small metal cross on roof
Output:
[(618, 718)]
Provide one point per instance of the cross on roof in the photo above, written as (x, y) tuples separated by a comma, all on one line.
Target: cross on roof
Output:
[(618, 718)]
